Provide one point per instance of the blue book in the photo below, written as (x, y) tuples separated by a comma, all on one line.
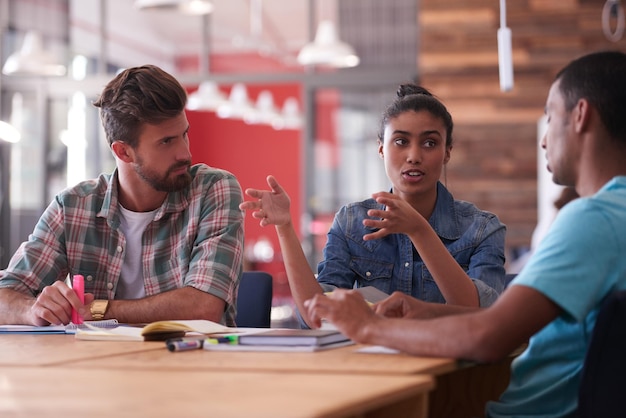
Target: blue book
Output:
[(293, 337)]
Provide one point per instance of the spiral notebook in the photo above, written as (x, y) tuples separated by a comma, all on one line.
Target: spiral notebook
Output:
[(56, 329)]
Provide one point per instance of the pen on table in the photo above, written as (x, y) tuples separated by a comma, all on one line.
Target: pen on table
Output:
[(184, 345), (78, 285), (190, 338)]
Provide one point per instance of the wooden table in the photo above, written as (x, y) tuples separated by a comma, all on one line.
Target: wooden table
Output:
[(51, 349), (57, 375), (339, 360), (98, 392), (461, 389)]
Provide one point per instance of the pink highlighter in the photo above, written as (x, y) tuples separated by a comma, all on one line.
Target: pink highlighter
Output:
[(78, 284)]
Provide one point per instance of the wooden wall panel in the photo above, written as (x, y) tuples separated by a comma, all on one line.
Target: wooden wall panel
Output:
[(494, 160)]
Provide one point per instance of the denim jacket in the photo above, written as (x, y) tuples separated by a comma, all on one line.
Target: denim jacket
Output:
[(475, 238)]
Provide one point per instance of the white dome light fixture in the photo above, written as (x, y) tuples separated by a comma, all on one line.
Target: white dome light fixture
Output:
[(9, 133), (31, 59), (264, 111), (327, 49), (290, 117), (207, 97), (237, 105), (190, 7)]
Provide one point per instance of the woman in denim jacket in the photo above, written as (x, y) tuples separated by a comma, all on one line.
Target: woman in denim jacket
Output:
[(415, 239)]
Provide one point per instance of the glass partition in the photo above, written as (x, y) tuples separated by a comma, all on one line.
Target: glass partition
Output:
[(345, 163)]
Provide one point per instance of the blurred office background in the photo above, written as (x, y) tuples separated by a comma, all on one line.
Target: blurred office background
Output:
[(260, 104)]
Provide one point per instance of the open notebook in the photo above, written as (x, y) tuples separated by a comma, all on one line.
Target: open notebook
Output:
[(155, 331)]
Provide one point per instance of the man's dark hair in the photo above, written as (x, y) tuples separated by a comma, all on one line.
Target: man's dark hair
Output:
[(139, 95), (600, 78)]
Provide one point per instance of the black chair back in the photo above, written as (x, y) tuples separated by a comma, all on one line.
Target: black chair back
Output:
[(508, 278), (254, 300), (603, 381)]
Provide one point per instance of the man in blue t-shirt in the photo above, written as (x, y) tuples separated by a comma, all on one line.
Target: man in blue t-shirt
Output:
[(554, 301)]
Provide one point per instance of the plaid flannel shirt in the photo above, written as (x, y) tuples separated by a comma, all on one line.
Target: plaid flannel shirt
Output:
[(195, 239)]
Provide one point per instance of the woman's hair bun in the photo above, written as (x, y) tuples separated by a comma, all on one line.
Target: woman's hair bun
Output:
[(409, 89)]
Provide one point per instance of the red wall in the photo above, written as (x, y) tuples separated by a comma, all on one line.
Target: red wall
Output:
[(251, 152), (245, 62)]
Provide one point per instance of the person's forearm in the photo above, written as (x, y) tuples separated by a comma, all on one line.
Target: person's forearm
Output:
[(185, 303), (455, 285), (302, 282), (436, 337), (482, 335), (14, 307)]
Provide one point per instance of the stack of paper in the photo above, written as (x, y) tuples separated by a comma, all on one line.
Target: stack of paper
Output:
[(285, 340), (316, 337)]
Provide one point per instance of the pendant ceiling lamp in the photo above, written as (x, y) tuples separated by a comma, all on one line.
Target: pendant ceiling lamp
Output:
[(190, 7), (327, 49), (290, 117), (237, 105), (31, 59), (207, 97), (505, 53), (8, 133), (264, 111)]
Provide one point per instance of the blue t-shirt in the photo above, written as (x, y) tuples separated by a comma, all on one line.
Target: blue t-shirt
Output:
[(578, 263)]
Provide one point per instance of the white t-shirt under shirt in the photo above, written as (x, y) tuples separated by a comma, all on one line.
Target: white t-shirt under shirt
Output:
[(132, 225)]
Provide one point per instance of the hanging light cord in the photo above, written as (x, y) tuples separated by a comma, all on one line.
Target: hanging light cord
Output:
[(613, 9)]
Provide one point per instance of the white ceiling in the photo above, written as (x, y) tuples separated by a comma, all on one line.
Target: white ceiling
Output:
[(124, 36), (276, 27)]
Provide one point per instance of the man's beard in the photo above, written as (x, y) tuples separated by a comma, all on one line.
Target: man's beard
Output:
[(165, 183)]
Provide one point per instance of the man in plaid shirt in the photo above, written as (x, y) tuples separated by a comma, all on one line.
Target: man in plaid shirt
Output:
[(157, 239)]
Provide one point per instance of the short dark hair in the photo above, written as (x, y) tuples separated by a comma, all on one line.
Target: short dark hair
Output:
[(411, 97), (139, 95), (600, 78)]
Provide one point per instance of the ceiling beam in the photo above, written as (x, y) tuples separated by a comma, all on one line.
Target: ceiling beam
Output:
[(93, 85)]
